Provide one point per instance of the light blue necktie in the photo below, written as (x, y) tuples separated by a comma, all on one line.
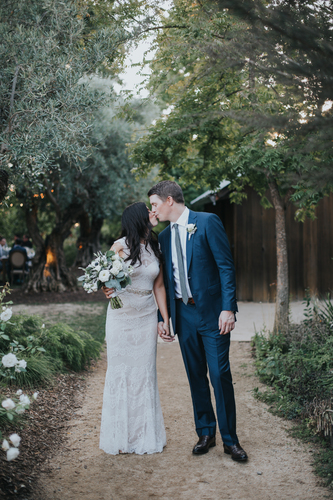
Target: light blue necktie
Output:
[(181, 268)]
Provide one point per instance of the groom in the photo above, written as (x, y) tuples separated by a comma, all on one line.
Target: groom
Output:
[(199, 278)]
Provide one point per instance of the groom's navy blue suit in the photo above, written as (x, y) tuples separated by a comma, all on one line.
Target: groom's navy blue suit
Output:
[(211, 277)]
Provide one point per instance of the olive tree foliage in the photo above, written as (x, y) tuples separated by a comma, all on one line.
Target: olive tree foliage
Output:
[(46, 48), (99, 190)]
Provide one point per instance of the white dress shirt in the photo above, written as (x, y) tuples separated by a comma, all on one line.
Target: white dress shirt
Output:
[(182, 223)]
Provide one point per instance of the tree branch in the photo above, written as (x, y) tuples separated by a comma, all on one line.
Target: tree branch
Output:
[(13, 90)]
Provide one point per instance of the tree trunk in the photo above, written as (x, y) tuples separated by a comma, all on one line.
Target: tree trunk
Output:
[(49, 270), (281, 322), (88, 242), (3, 184)]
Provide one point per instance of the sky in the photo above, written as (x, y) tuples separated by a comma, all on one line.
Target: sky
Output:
[(131, 78)]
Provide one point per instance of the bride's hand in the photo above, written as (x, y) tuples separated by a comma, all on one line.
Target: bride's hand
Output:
[(164, 332), (107, 291)]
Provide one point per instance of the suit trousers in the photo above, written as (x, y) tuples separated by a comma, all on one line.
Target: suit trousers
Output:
[(202, 346)]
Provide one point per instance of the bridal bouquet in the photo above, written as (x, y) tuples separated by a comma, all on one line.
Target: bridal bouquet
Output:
[(110, 270)]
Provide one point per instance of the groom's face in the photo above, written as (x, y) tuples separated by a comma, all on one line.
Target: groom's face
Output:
[(161, 209)]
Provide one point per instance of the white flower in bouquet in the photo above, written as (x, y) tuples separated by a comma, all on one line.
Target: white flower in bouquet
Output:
[(116, 268), (21, 364), (35, 395), (12, 453), (15, 439), (5, 445), (24, 399), (94, 287), (104, 275), (9, 360), (6, 314), (8, 404), (98, 269), (19, 392)]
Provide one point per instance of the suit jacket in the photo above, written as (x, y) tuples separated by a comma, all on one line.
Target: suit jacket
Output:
[(210, 268)]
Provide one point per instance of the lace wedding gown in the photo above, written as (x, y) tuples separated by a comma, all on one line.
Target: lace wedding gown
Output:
[(132, 420)]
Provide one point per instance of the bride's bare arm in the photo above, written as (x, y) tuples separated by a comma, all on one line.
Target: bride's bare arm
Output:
[(118, 248), (160, 296)]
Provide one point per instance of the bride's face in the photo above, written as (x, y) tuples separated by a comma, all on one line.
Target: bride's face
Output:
[(152, 218)]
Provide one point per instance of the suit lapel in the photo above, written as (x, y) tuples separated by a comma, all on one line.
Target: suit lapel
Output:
[(189, 242), (168, 255)]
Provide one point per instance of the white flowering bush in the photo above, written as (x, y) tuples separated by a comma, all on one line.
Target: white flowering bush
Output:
[(9, 363), (11, 409), (110, 270)]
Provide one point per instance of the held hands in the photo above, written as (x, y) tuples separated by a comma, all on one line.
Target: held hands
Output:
[(164, 332), (226, 322), (107, 291)]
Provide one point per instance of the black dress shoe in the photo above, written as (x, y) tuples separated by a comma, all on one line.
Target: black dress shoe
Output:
[(203, 445), (236, 451)]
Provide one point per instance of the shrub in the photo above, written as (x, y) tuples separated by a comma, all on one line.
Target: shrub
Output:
[(299, 367), (48, 349)]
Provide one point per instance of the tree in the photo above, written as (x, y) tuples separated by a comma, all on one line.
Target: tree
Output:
[(293, 55), (208, 89), (101, 189), (47, 47)]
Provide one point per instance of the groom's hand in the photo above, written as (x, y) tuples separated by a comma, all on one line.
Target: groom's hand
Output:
[(164, 332), (226, 322)]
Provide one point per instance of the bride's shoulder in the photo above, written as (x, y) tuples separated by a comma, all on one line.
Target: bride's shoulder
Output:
[(119, 245)]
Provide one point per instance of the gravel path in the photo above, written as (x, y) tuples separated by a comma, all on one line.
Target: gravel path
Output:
[(279, 467)]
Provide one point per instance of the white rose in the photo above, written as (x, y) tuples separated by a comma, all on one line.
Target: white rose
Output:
[(8, 404), (190, 227), (9, 360), (19, 409), (5, 445), (6, 314), (97, 269), (116, 268), (22, 363), (19, 392), (24, 399), (15, 439), (104, 276), (35, 395), (12, 453), (94, 287)]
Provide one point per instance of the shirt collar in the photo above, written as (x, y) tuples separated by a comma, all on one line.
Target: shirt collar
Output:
[(183, 219)]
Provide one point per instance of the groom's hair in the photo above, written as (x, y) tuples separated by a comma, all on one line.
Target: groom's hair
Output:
[(168, 188)]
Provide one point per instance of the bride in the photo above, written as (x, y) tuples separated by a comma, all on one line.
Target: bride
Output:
[(132, 420)]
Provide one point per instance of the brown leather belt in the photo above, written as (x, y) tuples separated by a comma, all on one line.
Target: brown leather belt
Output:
[(190, 300)]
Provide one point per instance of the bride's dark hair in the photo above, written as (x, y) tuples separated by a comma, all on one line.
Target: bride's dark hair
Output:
[(136, 227)]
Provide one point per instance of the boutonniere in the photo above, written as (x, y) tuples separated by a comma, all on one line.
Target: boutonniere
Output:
[(191, 229)]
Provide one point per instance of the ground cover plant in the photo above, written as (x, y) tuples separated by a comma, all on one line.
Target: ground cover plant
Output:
[(298, 367), (39, 354)]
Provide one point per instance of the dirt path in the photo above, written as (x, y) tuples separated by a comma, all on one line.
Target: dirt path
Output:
[(279, 467)]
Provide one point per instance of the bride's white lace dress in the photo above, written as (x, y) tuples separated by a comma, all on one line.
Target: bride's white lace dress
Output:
[(132, 420)]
